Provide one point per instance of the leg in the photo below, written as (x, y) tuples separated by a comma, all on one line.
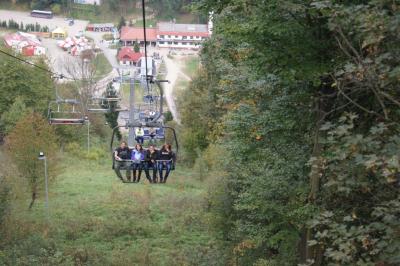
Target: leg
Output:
[(167, 171), (146, 171), (154, 173), (160, 171), (139, 169), (134, 172), (117, 170)]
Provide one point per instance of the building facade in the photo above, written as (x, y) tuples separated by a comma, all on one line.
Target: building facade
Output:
[(175, 35), (168, 35), (88, 2)]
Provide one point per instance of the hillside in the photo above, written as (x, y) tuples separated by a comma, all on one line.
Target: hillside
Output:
[(94, 219)]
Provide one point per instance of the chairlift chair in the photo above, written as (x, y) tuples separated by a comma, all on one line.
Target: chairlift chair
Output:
[(65, 112), (160, 134), (104, 105)]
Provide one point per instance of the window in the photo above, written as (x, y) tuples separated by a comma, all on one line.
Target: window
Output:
[(175, 43), (161, 42), (162, 36), (169, 42)]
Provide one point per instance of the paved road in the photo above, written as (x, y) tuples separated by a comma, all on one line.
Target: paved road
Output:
[(55, 55)]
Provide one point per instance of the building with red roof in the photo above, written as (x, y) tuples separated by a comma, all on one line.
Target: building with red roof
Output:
[(168, 34), (25, 43), (127, 56), (130, 35)]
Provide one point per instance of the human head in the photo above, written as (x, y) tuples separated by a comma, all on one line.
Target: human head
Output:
[(151, 147), (123, 144), (138, 147)]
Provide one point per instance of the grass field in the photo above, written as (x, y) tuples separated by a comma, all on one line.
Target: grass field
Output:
[(191, 65), (94, 219), (103, 67)]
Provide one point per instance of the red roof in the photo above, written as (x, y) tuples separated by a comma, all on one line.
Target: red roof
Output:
[(180, 33), (135, 33), (127, 54)]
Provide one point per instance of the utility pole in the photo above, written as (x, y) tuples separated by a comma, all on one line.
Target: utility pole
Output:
[(43, 157)]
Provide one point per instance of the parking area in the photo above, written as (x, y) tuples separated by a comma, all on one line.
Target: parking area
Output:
[(53, 23)]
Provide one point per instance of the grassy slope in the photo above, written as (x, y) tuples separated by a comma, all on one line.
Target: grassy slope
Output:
[(103, 67), (112, 223)]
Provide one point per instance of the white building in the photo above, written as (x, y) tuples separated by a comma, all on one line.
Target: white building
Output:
[(173, 35), (88, 2)]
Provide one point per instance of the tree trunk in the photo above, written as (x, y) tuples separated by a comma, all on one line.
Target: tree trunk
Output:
[(32, 199)]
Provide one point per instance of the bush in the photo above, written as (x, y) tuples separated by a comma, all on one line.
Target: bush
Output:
[(32, 134)]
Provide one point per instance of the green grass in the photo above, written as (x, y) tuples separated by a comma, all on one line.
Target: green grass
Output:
[(103, 67), (149, 22), (97, 220), (191, 65)]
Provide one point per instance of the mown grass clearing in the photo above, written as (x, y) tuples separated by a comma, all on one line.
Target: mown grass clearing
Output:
[(97, 220)]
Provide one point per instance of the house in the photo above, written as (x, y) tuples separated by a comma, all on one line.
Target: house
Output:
[(173, 35), (30, 50), (168, 34), (105, 27), (88, 2), (127, 56), (130, 35), (59, 33), (25, 43)]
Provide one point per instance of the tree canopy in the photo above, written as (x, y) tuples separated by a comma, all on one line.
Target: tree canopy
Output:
[(299, 98)]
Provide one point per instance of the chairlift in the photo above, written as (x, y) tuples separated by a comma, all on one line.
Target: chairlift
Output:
[(159, 129), (104, 105), (65, 112)]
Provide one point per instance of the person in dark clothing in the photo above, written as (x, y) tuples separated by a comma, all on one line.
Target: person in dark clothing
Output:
[(151, 162), (165, 162), (137, 157), (121, 154)]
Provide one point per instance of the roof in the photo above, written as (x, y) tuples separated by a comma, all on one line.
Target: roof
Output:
[(21, 37), (59, 30), (128, 54), (170, 28), (136, 33)]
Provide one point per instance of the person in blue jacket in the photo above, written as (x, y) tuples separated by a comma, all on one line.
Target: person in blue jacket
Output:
[(137, 157)]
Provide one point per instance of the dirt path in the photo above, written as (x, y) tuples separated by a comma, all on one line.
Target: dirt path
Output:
[(172, 75)]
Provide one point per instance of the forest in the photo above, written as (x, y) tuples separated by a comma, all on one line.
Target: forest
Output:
[(290, 136), (295, 114)]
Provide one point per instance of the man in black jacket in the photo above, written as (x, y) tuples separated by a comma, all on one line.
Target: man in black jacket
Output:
[(121, 154), (151, 162)]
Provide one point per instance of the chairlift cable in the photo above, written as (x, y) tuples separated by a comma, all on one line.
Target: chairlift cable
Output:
[(60, 76)]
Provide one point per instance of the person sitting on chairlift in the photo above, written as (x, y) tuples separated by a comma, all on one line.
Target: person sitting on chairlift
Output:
[(137, 164), (151, 162), (121, 154), (165, 162), (139, 133), (152, 134)]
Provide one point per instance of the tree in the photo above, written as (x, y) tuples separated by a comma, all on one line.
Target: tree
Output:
[(13, 115), (32, 86), (31, 135), (136, 47), (112, 116), (121, 23)]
